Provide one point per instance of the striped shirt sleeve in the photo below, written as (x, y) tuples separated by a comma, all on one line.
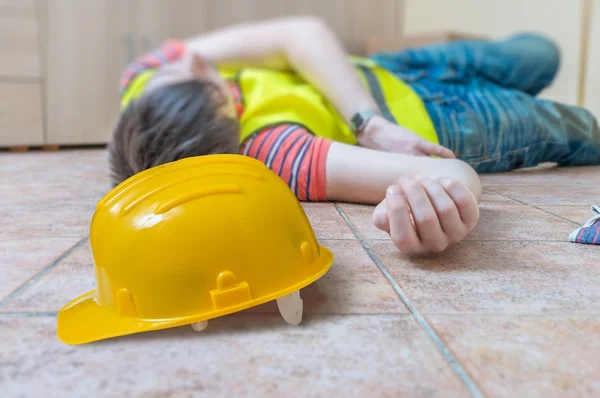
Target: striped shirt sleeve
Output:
[(297, 156)]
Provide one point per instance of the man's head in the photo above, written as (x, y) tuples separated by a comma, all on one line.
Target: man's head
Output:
[(185, 110)]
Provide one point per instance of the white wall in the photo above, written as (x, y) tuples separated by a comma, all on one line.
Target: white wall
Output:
[(592, 81), (559, 19)]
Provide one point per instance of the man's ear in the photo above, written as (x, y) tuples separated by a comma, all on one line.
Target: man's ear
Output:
[(199, 65)]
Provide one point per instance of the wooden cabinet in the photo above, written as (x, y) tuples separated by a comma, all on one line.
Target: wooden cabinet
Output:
[(19, 43), (21, 114), (352, 20), (159, 20), (86, 50)]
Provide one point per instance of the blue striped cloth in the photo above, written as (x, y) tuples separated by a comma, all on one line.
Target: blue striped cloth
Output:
[(590, 232)]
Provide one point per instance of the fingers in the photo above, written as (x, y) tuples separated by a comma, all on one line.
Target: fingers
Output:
[(430, 149), (412, 148), (447, 212), (428, 225), (380, 217), (426, 215), (464, 201), (401, 229)]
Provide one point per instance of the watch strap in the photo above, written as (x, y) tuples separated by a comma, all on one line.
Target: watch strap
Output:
[(361, 118)]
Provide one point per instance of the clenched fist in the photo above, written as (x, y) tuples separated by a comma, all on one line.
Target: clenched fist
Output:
[(426, 215)]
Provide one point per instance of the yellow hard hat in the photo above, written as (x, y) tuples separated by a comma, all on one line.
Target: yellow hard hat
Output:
[(192, 240)]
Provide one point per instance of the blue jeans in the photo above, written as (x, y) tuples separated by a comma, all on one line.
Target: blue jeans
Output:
[(480, 96)]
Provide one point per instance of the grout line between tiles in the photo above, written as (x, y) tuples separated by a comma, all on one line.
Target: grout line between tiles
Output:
[(28, 314), (43, 272), (514, 315), (555, 215), (437, 341), (490, 240), (536, 207)]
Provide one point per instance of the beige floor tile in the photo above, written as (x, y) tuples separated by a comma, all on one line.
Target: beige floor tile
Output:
[(52, 194), (490, 197), (53, 165), (573, 194), (46, 220), (357, 338), (326, 221), (499, 277), (545, 175), (362, 218), (72, 277), (238, 355), (353, 285), (519, 223), (53, 178), (20, 260), (578, 214), (526, 356)]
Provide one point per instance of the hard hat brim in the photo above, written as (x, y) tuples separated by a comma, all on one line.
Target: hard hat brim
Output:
[(84, 320)]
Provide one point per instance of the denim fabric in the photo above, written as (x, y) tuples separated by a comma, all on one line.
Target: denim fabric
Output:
[(480, 96)]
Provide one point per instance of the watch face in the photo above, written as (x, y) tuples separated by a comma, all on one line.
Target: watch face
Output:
[(357, 121)]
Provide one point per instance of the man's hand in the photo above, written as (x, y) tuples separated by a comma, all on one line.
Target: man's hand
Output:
[(383, 135), (426, 215)]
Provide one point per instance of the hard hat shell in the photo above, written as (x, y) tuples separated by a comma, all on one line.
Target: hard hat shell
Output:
[(189, 241)]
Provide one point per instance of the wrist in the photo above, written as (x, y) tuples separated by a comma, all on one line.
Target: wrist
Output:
[(361, 118), (370, 130)]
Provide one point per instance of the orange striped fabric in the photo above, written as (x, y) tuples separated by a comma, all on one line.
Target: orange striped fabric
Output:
[(297, 156)]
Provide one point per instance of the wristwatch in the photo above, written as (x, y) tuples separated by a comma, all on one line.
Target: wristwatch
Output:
[(361, 118)]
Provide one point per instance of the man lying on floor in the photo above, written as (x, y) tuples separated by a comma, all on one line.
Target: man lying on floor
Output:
[(406, 131)]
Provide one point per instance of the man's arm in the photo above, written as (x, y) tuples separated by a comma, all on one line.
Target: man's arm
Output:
[(303, 44), (307, 46), (362, 175), (426, 207), (424, 204)]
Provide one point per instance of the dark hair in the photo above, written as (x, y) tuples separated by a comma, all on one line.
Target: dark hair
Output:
[(170, 123)]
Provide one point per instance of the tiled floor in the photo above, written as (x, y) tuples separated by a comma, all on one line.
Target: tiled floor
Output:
[(512, 311)]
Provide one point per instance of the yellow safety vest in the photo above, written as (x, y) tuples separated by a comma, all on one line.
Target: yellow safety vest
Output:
[(272, 97)]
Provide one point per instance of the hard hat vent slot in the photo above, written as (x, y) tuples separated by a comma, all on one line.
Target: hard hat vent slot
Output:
[(229, 292), (197, 194), (182, 164), (133, 203)]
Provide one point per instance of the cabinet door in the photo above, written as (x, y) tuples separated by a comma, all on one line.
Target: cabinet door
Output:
[(21, 114), (159, 20), (591, 86), (558, 19), (85, 51), (352, 20), (19, 43)]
